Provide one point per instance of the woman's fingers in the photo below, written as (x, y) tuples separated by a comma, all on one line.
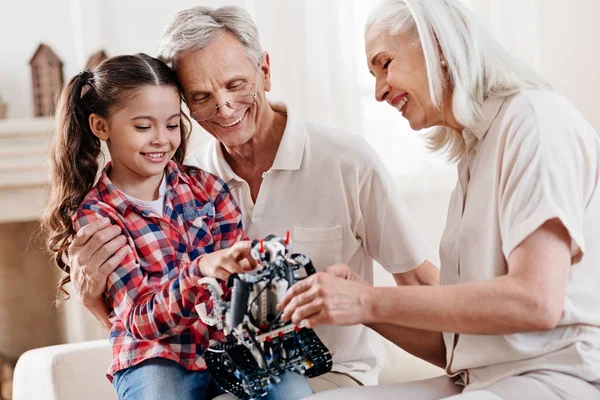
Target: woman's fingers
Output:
[(339, 270), (307, 310), (296, 289), (300, 300)]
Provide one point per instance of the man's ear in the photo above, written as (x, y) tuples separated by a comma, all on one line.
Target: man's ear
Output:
[(99, 127), (265, 69)]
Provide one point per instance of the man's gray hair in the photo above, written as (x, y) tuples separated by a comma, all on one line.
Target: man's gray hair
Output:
[(195, 28), (477, 67)]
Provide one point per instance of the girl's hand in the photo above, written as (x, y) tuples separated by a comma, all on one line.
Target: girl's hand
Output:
[(328, 298), (233, 260)]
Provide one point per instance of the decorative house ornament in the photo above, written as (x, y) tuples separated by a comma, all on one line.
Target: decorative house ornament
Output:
[(96, 59), (3, 108), (6, 378), (47, 79)]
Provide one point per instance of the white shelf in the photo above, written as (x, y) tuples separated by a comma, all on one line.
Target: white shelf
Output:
[(23, 167)]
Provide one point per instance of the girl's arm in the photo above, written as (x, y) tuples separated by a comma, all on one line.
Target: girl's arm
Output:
[(150, 312)]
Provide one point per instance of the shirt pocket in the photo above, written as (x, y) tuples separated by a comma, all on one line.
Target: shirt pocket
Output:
[(322, 245), (199, 221)]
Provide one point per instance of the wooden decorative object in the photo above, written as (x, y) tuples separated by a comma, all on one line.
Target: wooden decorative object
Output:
[(6, 378), (96, 59), (47, 79), (3, 108)]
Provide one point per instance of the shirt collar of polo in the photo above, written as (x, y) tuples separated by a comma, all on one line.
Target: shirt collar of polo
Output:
[(491, 108), (113, 197), (289, 154), (291, 149)]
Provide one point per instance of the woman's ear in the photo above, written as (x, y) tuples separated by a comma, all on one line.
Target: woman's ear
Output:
[(99, 127), (441, 53)]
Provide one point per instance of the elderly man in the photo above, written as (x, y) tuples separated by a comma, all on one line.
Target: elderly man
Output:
[(327, 186)]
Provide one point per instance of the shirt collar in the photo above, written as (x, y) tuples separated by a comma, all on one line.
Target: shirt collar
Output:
[(291, 149), (289, 154), (490, 110), (110, 195)]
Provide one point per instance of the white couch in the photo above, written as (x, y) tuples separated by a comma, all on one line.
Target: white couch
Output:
[(77, 370)]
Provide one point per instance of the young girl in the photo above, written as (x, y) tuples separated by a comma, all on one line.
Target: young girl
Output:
[(180, 223)]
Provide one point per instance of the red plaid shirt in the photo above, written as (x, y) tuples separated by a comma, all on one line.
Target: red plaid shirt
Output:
[(153, 293)]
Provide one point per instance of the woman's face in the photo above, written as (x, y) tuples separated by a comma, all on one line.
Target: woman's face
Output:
[(398, 65)]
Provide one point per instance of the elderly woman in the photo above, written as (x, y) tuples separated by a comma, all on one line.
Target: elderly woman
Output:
[(516, 314)]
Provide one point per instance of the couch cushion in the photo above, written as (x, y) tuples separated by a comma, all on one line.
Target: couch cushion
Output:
[(65, 372)]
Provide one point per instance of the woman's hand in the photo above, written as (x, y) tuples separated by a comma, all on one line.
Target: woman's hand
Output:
[(344, 272), (335, 297), (233, 260), (97, 249)]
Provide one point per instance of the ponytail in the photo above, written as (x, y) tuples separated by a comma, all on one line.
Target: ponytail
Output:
[(73, 165)]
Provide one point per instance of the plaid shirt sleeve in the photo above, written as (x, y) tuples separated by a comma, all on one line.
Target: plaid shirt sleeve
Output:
[(147, 311)]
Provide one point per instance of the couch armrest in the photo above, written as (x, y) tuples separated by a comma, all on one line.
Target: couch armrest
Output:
[(65, 372)]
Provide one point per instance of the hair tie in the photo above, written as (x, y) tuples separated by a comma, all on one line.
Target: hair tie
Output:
[(85, 76)]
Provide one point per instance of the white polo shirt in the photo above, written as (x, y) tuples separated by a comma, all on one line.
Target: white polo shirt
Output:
[(329, 188), (532, 158)]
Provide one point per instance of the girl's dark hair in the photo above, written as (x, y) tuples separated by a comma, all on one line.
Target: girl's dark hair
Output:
[(75, 150)]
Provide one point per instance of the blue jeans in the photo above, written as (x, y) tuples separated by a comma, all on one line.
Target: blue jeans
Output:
[(162, 379), (293, 386)]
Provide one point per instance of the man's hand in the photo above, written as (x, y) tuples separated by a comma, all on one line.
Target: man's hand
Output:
[(95, 252), (233, 260)]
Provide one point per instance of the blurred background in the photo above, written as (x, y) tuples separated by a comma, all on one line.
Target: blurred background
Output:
[(317, 54), (318, 68)]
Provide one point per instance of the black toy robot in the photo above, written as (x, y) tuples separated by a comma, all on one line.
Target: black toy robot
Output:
[(260, 345)]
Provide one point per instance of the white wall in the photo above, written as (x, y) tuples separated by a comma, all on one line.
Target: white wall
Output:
[(23, 25), (570, 52), (75, 29), (559, 38)]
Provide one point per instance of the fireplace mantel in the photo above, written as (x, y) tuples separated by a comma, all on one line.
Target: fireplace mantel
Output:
[(28, 280), (23, 167)]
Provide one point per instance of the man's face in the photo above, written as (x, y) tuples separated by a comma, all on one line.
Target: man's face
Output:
[(221, 72)]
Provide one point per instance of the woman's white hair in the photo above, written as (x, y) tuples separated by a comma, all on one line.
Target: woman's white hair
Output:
[(477, 67), (195, 28)]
